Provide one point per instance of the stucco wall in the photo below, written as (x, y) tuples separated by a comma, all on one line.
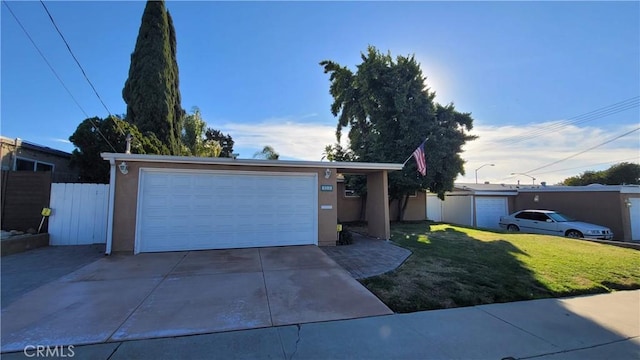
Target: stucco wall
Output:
[(377, 206), (458, 209), (349, 207), (416, 208), (125, 204), (599, 207)]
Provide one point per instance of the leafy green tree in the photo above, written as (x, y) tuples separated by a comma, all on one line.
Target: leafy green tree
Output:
[(151, 91), (196, 141), (389, 112), (337, 153), (225, 141), (89, 140), (267, 153), (622, 173)]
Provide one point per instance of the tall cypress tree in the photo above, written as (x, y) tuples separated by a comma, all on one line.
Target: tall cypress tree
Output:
[(152, 91)]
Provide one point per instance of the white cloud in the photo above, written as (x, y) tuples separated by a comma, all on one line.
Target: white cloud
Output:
[(495, 145), (64, 141), (293, 139), (304, 140)]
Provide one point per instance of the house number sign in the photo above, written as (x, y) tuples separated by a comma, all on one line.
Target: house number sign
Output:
[(326, 187)]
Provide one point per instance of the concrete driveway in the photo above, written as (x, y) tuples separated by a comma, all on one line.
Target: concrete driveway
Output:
[(180, 293)]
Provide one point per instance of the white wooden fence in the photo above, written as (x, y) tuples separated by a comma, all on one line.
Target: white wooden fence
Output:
[(79, 214)]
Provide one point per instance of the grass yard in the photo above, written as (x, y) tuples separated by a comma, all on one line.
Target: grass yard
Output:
[(454, 266)]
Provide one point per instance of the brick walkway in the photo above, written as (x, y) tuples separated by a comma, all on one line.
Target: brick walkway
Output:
[(367, 257)]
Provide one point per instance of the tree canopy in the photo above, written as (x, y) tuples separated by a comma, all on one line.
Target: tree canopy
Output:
[(151, 91), (196, 141), (622, 173), (267, 153), (89, 140), (389, 111), (225, 141)]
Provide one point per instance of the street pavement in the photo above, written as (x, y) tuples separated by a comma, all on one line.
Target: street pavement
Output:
[(605, 326)]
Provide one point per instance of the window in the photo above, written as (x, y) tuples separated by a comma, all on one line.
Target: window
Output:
[(525, 215), (32, 165), (43, 167), (350, 193), (539, 217), (24, 165), (560, 217)]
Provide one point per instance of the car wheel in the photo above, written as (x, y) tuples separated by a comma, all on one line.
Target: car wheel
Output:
[(513, 228), (574, 234)]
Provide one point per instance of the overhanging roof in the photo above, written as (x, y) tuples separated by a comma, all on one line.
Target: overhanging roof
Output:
[(32, 146), (346, 167)]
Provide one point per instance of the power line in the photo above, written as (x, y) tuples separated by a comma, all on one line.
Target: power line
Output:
[(56, 74), (583, 151), (579, 119), (80, 66), (582, 167)]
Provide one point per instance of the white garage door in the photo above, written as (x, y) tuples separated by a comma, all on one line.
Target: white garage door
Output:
[(196, 210), (489, 210)]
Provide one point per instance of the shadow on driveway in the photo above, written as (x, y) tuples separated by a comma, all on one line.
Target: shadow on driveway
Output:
[(29, 270)]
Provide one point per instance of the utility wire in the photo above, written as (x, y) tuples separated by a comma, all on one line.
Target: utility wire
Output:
[(80, 66), (579, 119), (582, 167), (583, 151), (56, 74)]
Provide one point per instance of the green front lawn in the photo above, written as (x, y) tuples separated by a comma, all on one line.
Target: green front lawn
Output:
[(454, 266)]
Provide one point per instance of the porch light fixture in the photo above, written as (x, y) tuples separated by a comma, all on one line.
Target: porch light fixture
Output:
[(627, 202), (327, 173), (124, 168)]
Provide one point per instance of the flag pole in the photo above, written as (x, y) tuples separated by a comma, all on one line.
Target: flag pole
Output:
[(410, 156)]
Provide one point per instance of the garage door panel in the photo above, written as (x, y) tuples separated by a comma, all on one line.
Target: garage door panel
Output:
[(214, 210), (489, 210)]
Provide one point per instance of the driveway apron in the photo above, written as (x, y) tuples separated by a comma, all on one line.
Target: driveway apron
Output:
[(125, 297)]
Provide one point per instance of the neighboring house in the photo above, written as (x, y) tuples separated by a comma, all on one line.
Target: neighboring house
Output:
[(479, 205), (19, 155), (614, 206), (173, 203)]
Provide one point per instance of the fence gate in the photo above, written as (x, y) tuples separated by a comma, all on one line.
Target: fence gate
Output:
[(79, 214)]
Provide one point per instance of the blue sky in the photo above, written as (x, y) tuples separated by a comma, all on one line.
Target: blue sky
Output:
[(252, 69)]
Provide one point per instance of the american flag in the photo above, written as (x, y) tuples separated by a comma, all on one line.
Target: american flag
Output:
[(420, 159)]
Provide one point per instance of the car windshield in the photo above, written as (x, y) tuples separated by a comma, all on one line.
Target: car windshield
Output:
[(560, 217)]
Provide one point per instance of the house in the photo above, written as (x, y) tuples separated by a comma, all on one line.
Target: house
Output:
[(614, 206), (19, 155), (173, 203), (27, 172), (479, 205)]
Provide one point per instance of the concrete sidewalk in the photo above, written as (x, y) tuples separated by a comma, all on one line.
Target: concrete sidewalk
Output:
[(588, 327)]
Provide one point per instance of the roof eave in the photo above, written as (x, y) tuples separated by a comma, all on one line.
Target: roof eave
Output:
[(251, 162)]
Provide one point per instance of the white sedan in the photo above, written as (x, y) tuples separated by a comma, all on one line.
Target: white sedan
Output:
[(553, 223)]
